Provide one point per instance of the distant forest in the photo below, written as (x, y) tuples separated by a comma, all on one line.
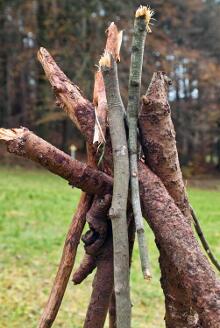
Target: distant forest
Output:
[(185, 42)]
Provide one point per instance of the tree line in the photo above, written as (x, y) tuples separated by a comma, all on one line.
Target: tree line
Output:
[(185, 42)]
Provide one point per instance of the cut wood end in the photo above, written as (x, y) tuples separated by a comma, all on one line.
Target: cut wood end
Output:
[(42, 54), (114, 41), (11, 134), (147, 275), (105, 60), (147, 13)]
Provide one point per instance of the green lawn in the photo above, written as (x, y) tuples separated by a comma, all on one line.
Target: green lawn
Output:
[(35, 211)]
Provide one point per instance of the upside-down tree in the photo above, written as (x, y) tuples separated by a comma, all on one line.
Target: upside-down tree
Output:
[(135, 144)]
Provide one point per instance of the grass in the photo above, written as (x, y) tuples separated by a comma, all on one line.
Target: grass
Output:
[(35, 211)]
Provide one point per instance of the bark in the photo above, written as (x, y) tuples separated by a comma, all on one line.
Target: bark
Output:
[(159, 146), (120, 191), (137, 52), (69, 97), (158, 140), (24, 143), (175, 238), (102, 289), (113, 45), (66, 264), (131, 237)]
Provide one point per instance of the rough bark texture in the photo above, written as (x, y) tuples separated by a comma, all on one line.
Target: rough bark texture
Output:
[(24, 143), (102, 289), (158, 140), (69, 97), (120, 193), (175, 238), (159, 146), (66, 264), (137, 52)]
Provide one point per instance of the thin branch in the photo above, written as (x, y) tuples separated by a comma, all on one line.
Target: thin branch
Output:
[(66, 263), (24, 143), (139, 36), (117, 212), (204, 242)]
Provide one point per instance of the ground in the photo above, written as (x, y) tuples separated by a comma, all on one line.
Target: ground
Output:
[(35, 211)]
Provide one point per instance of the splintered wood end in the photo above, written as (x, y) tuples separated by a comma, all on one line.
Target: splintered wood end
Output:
[(105, 60), (11, 134), (147, 13), (114, 41)]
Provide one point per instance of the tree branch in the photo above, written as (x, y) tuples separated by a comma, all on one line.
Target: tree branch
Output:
[(159, 146), (120, 190), (69, 97), (24, 143), (204, 242), (175, 237), (139, 36), (66, 264)]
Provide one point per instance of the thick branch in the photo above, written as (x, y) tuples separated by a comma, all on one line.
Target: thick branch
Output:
[(24, 143), (140, 31), (66, 264), (158, 140), (175, 237), (159, 146), (120, 191), (69, 97)]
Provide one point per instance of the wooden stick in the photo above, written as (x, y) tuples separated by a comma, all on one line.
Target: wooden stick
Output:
[(66, 264), (137, 52), (204, 242), (117, 212), (24, 143)]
